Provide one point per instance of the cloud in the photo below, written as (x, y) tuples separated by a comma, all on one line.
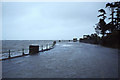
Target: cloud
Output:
[(62, 20)]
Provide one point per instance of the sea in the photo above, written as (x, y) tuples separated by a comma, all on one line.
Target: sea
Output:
[(16, 46)]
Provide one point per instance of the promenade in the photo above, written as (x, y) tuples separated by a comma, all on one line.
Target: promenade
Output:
[(66, 60)]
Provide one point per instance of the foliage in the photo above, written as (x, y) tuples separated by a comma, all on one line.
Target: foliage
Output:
[(101, 27), (114, 16)]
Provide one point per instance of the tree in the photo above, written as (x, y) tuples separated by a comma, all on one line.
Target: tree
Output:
[(100, 27), (111, 7), (114, 16), (117, 4)]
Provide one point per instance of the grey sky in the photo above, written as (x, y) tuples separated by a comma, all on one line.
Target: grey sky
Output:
[(48, 20)]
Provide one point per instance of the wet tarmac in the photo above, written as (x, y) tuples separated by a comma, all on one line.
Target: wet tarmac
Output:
[(66, 60)]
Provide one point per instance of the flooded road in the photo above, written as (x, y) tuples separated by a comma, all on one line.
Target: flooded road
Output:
[(66, 60)]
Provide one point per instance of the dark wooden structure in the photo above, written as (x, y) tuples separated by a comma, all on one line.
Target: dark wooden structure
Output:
[(33, 49), (54, 43)]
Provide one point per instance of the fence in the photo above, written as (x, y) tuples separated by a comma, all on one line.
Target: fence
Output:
[(10, 55)]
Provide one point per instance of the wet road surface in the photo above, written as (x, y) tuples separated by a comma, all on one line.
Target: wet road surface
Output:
[(66, 60)]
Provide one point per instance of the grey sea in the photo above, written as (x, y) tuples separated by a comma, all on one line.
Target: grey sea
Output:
[(16, 46), (65, 60)]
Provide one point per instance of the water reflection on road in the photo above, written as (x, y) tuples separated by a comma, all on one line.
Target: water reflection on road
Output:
[(66, 60)]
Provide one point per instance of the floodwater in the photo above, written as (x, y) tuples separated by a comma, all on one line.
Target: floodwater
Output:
[(66, 60)]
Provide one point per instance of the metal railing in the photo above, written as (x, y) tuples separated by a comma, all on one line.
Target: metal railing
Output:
[(12, 54)]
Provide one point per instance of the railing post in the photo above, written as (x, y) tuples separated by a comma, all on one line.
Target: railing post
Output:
[(9, 54), (54, 43), (23, 52), (50, 46), (46, 46), (42, 47)]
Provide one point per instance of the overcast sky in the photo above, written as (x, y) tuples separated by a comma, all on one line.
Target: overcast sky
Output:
[(48, 20)]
